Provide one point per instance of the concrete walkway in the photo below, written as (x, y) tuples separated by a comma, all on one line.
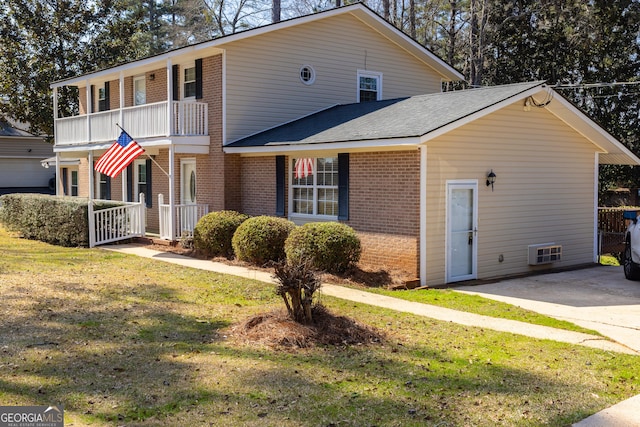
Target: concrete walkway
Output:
[(626, 413)]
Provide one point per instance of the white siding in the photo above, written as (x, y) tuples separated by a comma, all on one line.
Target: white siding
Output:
[(544, 191), (263, 84)]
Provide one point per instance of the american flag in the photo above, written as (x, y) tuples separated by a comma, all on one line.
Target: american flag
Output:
[(120, 155), (303, 168)]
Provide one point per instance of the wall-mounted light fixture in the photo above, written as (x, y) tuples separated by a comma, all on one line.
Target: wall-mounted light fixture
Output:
[(491, 179), (152, 77)]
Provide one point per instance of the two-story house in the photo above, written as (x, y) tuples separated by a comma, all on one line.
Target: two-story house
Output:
[(339, 116)]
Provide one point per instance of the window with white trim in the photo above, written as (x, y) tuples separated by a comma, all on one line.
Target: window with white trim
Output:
[(74, 182), (189, 83), (369, 86), (139, 179), (102, 186), (314, 186), (139, 90)]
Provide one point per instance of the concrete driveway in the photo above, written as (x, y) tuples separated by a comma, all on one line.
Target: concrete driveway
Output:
[(597, 298)]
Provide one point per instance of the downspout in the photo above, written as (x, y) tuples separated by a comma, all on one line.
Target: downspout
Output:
[(224, 97), (423, 215)]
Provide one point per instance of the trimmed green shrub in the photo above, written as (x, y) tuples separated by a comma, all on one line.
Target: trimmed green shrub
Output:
[(261, 239), (213, 232), (331, 246), (60, 221)]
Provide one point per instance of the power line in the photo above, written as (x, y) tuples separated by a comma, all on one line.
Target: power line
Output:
[(593, 85)]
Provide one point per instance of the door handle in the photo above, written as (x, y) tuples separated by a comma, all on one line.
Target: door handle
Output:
[(470, 239)]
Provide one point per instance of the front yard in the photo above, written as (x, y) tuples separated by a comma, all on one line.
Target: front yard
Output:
[(120, 340)]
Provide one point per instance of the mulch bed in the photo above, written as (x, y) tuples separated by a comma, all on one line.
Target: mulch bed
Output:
[(277, 329)]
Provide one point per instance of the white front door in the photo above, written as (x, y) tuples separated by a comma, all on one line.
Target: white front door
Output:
[(462, 230)]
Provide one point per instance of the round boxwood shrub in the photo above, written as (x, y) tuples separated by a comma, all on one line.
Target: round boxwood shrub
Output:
[(261, 239), (333, 247), (213, 233)]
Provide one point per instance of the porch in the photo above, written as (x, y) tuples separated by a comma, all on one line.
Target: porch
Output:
[(129, 221)]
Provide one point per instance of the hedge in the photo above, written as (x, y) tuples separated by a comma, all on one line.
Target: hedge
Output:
[(261, 239), (331, 246), (213, 233), (60, 221)]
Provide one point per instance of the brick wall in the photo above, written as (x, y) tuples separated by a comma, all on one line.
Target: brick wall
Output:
[(156, 88), (258, 185), (214, 172), (114, 94), (384, 195)]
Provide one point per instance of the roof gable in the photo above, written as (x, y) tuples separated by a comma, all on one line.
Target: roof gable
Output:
[(214, 46)]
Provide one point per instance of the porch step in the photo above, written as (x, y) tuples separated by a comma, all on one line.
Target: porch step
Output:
[(153, 240)]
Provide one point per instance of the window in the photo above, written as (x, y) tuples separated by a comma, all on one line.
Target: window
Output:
[(139, 179), (103, 186), (139, 90), (103, 97), (307, 74), (315, 186), (369, 86), (74, 183), (189, 82)]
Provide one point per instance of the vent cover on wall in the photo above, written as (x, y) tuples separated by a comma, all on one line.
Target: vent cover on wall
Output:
[(545, 253)]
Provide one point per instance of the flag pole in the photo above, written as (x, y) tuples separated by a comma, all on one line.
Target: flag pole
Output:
[(150, 158)]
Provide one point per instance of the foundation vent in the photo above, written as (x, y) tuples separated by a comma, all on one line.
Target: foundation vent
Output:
[(545, 253)]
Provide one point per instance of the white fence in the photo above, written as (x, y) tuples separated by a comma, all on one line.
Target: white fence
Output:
[(117, 223), (186, 218)]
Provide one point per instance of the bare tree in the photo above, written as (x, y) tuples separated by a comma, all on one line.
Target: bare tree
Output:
[(275, 11)]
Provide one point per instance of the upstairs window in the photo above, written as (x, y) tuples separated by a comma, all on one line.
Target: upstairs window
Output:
[(369, 86), (139, 91), (190, 82)]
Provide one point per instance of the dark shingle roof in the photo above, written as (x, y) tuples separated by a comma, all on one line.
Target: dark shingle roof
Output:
[(397, 118), (7, 130)]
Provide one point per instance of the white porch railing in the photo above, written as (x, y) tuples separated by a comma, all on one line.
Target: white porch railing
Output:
[(186, 218), (117, 223), (142, 121)]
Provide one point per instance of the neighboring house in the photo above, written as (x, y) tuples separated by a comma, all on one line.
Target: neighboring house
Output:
[(404, 164), (20, 157)]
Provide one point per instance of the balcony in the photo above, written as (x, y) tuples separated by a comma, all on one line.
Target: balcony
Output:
[(189, 119)]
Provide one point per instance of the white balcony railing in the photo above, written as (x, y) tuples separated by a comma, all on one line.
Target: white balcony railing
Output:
[(143, 121)]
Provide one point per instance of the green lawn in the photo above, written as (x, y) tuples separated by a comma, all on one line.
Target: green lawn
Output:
[(121, 340)]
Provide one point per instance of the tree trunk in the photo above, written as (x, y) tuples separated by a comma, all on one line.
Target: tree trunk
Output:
[(385, 10), (275, 11), (412, 19)]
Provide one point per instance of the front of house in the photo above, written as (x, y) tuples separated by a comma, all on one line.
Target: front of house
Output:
[(226, 123)]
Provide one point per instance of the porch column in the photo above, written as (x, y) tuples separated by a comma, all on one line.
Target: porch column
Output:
[(169, 98), (596, 181), (172, 190), (423, 215), (121, 122), (89, 110), (58, 179), (92, 224)]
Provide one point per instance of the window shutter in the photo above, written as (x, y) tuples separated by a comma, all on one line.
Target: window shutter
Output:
[(198, 78), (280, 185), (175, 82), (343, 186), (148, 195), (130, 197), (65, 181), (106, 97), (91, 102), (108, 181)]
